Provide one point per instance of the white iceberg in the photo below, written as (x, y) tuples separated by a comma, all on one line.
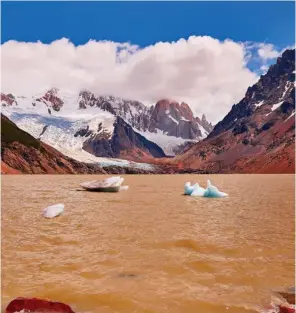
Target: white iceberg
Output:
[(114, 181), (53, 210), (198, 191), (112, 184), (213, 192)]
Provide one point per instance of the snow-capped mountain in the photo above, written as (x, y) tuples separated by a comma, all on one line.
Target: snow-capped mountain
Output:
[(105, 126), (167, 116)]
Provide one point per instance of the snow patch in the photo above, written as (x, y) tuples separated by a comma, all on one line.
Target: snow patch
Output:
[(174, 120), (204, 133), (167, 143), (276, 105), (259, 104), (184, 119), (293, 113), (287, 86)]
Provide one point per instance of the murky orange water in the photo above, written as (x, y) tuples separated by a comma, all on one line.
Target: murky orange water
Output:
[(149, 249)]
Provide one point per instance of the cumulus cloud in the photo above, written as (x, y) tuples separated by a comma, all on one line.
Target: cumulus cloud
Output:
[(264, 69), (267, 51), (208, 74)]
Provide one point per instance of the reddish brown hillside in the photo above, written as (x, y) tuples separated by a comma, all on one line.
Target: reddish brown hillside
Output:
[(258, 134)]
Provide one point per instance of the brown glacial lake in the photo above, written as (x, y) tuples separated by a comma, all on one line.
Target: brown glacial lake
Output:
[(149, 249)]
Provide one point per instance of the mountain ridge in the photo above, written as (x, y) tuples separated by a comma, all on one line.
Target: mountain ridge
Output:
[(258, 133), (167, 134)]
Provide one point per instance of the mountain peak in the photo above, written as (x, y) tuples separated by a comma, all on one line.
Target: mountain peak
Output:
[(258, 134)]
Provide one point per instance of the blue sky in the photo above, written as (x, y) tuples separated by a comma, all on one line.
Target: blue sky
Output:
[(144, 23)]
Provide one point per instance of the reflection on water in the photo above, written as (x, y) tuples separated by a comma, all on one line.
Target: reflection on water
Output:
[(149, 249)]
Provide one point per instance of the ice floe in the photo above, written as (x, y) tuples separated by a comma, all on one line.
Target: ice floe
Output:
[(53, 210), (111, 184), (210, 192)]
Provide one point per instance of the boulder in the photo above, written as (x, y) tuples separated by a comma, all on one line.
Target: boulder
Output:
[(286, 309), (37, 305)]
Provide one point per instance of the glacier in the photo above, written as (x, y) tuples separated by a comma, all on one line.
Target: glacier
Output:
[(61, 128)]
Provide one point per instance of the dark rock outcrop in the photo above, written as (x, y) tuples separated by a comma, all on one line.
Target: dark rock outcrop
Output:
[(8, 99), (175, 119), (124, 142), (51, 100)]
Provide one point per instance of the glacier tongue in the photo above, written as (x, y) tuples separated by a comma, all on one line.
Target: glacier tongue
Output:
[(61, 129)]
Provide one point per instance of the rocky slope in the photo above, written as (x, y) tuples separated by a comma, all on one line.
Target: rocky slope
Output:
[(124, 143), (258, 134)]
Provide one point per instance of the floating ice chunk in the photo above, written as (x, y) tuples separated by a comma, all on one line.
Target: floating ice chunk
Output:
[(111, 184), (198, 191), (53, 210), (188, 189), (123, 188), (113, 181), (213, 192)]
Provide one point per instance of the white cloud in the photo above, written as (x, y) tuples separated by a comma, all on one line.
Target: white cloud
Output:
[(267, 51), (208, 74), (264, 69)]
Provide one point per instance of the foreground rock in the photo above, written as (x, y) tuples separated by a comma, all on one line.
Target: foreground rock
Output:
[(37, 305), (286, 309)]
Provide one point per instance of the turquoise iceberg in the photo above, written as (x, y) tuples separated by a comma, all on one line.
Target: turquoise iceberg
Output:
[(210, 192), (213, 192)]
